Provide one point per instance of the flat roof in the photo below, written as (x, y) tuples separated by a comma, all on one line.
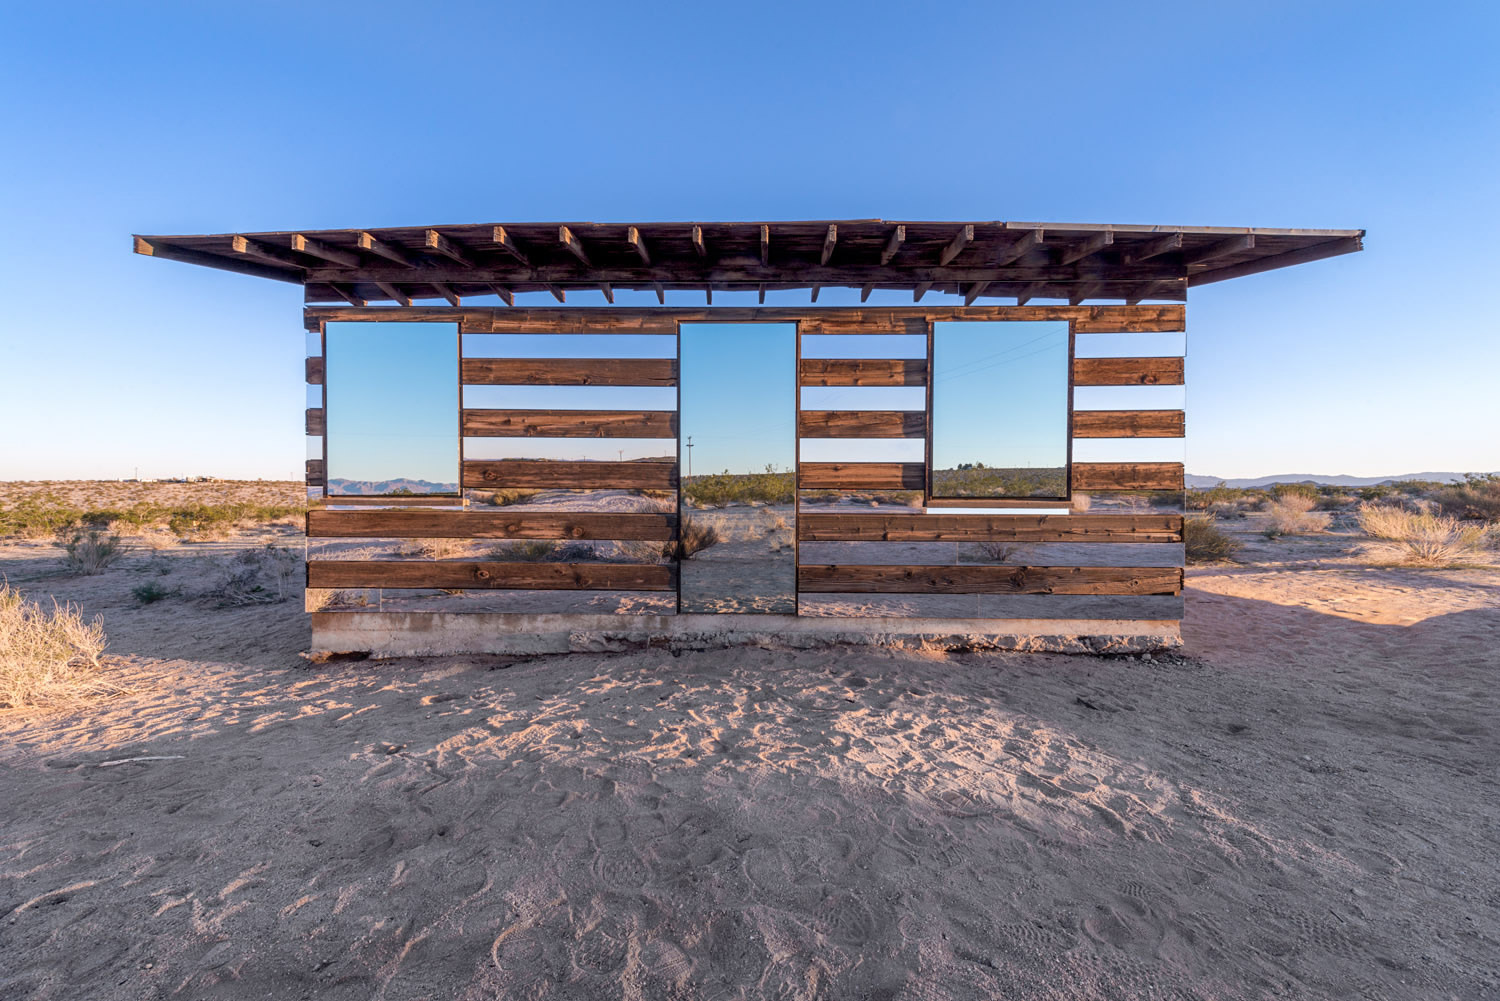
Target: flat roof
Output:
[(1076, 262)]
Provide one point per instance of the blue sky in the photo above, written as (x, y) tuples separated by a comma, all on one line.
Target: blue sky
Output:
[(186, 118)]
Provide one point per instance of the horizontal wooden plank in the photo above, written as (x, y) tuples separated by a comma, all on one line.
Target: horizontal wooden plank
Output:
[(314, 421), (867, 579), (992, 606), (1127, 372), (315, 371), (485, 524), (863, 424), (569, 371), (861, 476), (315, 472), (489, 576), (864, 372), (1128, 476), (543, 474), (1128, 424), (570, 423), (858, 322), (453, 501), (904, 527)]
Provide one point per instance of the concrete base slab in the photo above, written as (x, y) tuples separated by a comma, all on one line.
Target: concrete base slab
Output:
[(407, 634)]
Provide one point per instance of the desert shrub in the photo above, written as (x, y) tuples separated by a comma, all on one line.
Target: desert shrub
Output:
[(1082, 503), (1422, 538), (505, 498), (696, 535), (1221, 494), (1375, 492), (436, 549), (1280, 492), (997, 552), (643, 550), (262, 576), (48, 658), (769, 487), (1205, 542), (525, 551), (316, 599), (150, 593), (92, 551), (979, 480), (1478, 497), (1293, 514)]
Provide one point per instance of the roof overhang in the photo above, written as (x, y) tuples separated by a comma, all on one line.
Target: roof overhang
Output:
[(980, 260)]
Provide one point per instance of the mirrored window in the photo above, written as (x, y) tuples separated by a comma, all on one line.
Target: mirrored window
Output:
[(392, 413), (999, 410)]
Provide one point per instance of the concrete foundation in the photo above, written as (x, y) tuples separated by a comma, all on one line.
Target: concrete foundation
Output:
[(407, 634)]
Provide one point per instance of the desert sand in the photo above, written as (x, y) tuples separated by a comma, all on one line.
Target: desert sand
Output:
[(1302, 802)]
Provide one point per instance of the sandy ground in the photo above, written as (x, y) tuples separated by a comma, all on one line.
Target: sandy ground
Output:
[(1304, 804)]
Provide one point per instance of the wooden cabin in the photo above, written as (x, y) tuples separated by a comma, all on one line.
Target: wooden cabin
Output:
[(997, 464)]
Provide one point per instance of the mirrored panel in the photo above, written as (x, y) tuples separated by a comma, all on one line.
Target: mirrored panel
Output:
[(392, 412), (999, 410), (738, 444)]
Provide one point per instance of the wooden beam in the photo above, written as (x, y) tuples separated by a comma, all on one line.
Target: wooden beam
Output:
[(449, 249), (661, 292), (1165, 371), (954, 527), (1127, 476), (558, 293), (370, 243), (317, 248), (898, 237), (862, 424), (974, 292), (504, 242), (570, 423), (1030, 292), (919, 291), (566, 237), (500, 523), (346, 292), (956, 245), (761, 289), (609, 292), (861, 476), (864, 371), (504, 293), (1028, 242), (1153, 248), (864, 293), (569, 372), (708, 294), (1086, 248), (1317, 252), (765, 246), (815, 290), (264, 252), (633, 237), (446, 293), (1128, 424), (1233, 245), (239, 265), (829, 239), (698, 246), (457, 574), (555, 474), (813, 578), (1082, 292)]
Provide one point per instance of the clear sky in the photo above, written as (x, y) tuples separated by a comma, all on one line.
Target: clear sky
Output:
[(193, 117)]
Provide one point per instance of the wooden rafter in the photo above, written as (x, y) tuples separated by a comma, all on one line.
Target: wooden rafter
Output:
[(920, 291), (765, 246), (898, 237), (633, 237), (450, 249), (446, 293), (1086, 248), (371, 243), (558, 293), (761, 289), (609, 292), (829, 240), (708, 294), (394, 293), (264, 252), (1081, 292), (1153, 248), (502, 240), (974, 292), (1028, 242), (505, 294), (346, 292), (567, 239), (956, 246), (864, 293), (1030, 292), (1233, 245), (698, 245), (323, 252), (815, 290), (661, 292)]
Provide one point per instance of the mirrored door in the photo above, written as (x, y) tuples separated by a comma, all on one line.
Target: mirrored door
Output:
[(738, 454)]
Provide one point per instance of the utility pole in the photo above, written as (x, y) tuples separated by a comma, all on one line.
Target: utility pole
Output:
[(690, 456), (621, 452)]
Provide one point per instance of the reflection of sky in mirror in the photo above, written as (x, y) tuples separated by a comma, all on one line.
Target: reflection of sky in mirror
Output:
[(393, 401), (738, 396), (1000, 394), (569, 346)]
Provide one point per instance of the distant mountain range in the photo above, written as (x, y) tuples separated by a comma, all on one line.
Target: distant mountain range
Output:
[(365, 488), (1197, 482)]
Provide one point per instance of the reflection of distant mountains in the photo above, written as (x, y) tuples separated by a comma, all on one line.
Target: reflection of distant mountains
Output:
[(357, 488)]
